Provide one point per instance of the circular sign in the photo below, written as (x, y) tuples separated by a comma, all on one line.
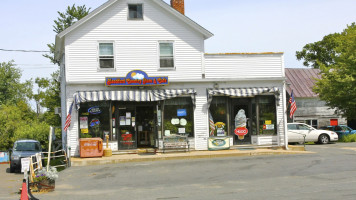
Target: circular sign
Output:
[(241, 131)]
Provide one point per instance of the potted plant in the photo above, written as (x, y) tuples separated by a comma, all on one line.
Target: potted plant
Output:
[(45, 180)]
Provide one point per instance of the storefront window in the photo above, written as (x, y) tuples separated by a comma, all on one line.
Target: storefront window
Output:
[(267, 115), (94, 119), (218, 119), (178, 117)]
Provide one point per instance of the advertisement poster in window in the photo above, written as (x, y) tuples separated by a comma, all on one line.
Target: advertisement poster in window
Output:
[(83, 122)]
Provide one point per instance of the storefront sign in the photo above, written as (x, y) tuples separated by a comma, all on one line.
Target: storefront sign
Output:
[(136, 78), (241, 132), (219, 143)]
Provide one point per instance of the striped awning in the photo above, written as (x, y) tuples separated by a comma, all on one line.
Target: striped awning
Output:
[(130, 95), (158, 95), (242, 92)]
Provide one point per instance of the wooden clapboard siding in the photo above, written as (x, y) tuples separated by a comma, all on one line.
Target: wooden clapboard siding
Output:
[(244, 65), (135, 45)]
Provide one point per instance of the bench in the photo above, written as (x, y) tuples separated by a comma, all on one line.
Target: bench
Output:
[(177, 142)]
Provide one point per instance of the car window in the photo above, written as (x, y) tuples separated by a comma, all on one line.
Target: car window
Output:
[(345, 128), (330, 128), (338, 128), (303, 127), (292, 127), (27, 146)]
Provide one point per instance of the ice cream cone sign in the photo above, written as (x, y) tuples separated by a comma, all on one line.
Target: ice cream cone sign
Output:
[(240, 124), (241, 132)]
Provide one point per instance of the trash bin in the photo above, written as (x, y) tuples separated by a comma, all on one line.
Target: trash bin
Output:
[(91, 147), (4, 157)]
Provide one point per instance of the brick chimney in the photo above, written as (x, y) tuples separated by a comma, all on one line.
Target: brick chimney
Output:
[(178, 5)]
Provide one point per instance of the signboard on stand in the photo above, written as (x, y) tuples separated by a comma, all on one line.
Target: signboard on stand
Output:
[(218, 143)]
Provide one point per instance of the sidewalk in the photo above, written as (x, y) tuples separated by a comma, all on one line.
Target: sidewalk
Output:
[(184, 155)]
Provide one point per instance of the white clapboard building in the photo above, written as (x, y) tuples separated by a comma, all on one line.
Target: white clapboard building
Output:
[(136, 70)]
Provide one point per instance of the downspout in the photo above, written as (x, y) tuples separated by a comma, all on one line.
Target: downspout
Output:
[(63, 102)]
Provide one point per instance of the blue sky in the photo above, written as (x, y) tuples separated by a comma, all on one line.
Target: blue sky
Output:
[(238, 26)]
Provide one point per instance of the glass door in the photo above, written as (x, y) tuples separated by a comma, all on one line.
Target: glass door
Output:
[(145, 123), (241, 120), (126, 127)]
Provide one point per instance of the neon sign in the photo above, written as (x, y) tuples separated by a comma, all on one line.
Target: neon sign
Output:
[(136, 78)]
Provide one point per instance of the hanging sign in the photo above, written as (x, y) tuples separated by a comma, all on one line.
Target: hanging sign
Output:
[(136, 78)]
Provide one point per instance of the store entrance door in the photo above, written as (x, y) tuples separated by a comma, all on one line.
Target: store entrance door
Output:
[(145, 126), (136, 125), (127, 137), (241, 120)]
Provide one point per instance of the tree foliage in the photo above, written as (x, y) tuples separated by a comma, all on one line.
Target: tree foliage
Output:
[(65, 20), (335, 56), (11, 89), (48, 96)]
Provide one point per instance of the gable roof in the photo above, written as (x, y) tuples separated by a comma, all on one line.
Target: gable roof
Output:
[(301, 81), (59, 37)]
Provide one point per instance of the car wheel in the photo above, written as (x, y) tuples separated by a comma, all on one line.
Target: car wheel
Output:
[(12, 170), (323, 139)]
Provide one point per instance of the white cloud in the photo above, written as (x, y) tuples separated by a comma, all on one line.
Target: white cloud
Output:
[(138, 76)]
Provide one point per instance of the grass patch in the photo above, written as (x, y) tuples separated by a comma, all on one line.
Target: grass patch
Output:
[(348, 138)]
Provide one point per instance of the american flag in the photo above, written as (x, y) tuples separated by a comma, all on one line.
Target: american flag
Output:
[(69, 118), (293, 105), (211, 125)]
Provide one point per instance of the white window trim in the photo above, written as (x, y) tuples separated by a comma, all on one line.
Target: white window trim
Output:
[(98, 55), (159, 56), (135, 19)]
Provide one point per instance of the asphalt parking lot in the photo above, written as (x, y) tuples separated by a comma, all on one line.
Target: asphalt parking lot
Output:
[(328, 173), (10, 183)]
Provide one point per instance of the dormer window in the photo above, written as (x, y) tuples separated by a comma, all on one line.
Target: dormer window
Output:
[(135, 11)]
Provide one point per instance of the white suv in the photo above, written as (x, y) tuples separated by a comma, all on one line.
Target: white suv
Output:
[(297, 132)]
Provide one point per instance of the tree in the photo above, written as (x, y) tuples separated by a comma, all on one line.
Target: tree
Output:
[(335, 56), (65, 20), (11, 89), (48, 96)]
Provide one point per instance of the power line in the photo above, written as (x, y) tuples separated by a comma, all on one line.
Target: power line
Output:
[(35, 64), (26, 51)]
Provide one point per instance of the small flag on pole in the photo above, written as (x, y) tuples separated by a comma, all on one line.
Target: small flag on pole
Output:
[(69, 118), (211, 125), (293, 105)]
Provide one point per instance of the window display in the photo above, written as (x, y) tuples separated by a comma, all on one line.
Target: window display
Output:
[(267, 115), (218, 117), (94, 119), (178, 117)]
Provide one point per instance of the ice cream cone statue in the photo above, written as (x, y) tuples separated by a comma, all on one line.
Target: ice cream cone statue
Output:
[(240, 124)]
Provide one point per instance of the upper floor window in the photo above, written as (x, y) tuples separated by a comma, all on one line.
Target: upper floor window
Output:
[(135, 11), (166, 56), (106, 55)]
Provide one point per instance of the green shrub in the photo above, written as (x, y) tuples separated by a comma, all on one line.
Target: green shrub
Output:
[(348, 138)]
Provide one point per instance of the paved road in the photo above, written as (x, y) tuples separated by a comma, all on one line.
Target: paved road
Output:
[(330, 173), (9, 183)]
